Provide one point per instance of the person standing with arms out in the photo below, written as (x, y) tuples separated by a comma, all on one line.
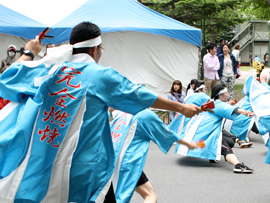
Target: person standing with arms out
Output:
[(176, 94), (250, 58), (228, 69), (211, 66), (219, 47)]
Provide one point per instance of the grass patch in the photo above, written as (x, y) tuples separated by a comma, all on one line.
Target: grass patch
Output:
[(238, 91), (248, 68)]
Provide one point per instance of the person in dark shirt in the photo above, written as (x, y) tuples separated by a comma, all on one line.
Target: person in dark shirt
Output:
[(250, 58), (219, 47)]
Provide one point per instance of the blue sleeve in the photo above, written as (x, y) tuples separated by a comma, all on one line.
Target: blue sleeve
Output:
[(221, 60), (151, 127), (204, 98), (182, 97), (170, 97), (234, 64), (266, 85), (225, 110), (122, 94), (19, 79)]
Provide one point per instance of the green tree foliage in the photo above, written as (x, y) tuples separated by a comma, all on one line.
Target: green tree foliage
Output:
[(257, 9), (218, 17)]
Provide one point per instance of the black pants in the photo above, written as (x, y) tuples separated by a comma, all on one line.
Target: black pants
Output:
[(228, 141), (143, 179), (255, 129), (110, 197)]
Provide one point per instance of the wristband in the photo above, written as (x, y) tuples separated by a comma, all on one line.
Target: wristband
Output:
[(28, 52)]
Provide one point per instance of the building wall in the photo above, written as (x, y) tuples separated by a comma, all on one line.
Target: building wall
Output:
[(259, 45)]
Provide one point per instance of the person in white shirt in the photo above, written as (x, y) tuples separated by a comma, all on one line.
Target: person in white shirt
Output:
[(237, 54)]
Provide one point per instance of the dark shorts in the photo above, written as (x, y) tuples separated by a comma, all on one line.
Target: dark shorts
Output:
[(228, 141), (255, 129), (143, 179), (110, 197)]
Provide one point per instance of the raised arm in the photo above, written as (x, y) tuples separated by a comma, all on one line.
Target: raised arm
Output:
[(34, 46), (187, 110)]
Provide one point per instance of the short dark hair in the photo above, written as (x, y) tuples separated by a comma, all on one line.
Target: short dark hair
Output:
[(211, 46), (197, 85), (84, 31), (216, 90), (221, 40)]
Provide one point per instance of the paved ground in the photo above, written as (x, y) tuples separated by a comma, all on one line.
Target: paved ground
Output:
[(246, 74), (182, 179)]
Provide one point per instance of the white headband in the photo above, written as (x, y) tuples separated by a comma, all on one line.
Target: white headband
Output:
[(58, 55), (222, 91), (88, 43), (202, 86)]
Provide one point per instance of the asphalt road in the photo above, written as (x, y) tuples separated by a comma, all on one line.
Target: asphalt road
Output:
[(176, 178)]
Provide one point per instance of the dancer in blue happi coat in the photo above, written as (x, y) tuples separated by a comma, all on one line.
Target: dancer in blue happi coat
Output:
[(198, 98), (131, 137), (242, 125), (61, 136), (208, 126), (257, 94)]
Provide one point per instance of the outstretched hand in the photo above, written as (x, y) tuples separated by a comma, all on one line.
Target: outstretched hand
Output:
[(248, 113), (193, 145), (190, 110)]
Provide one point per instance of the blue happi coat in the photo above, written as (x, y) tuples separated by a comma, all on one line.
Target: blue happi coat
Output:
[(241, 125), (180, 120), (131, 136), (63, 151), (259, 95), (207, 126)]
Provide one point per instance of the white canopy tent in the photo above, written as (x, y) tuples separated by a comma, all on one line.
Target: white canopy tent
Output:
[(143, 45)]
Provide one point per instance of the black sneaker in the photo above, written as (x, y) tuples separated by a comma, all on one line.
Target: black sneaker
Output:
[(244, 144), (213, 161), (241, 168)]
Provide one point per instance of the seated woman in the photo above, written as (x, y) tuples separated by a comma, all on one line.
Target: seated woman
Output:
[(190, 87), (208, 126), (176, 94)]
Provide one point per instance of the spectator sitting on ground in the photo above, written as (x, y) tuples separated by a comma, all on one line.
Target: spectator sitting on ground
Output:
[(11, 56), (176, 94), (190, 87)]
